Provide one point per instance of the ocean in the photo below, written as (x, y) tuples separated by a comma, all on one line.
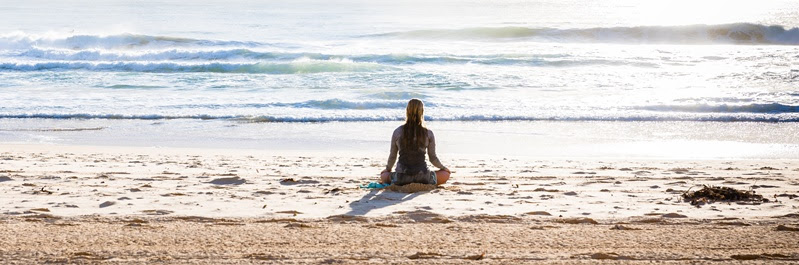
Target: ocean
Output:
[(315, 74)]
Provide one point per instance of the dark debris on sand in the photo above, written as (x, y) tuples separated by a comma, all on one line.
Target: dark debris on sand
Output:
[(710, 194)]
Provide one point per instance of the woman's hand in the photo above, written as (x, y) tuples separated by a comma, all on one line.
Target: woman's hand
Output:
[(447, 170), (384, 171)]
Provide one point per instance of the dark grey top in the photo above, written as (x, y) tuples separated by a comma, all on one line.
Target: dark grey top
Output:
[(412, 160)]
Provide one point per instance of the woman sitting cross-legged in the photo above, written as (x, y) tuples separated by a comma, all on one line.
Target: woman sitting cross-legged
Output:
[(412, 140)]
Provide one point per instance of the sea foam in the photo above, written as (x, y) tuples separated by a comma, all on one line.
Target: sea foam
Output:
[(293, 67), (737, 33), (21, 40)]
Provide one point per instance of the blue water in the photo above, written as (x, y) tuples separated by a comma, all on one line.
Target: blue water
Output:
[(317, 61)]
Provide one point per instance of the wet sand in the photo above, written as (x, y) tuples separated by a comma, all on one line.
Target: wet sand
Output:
[(397, 240)]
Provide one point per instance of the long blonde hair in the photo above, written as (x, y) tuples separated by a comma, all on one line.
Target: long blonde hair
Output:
[(414, 133)]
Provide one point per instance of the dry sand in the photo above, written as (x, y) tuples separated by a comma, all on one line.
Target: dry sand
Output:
[(148, 205)]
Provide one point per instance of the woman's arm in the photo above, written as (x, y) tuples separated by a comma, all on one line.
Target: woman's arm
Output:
[(431, 151), (392, 155)]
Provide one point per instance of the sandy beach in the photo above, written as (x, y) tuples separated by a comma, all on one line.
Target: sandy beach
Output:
[(241, 132), (88, 204)]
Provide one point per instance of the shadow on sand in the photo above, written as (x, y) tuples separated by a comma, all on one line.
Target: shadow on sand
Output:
[(377, 199)]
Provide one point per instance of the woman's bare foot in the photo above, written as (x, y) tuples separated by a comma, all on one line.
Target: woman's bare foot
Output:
[(385, 176), (442, 176)]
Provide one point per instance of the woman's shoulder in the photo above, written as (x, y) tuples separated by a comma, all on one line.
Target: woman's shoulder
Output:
[(398, 131)]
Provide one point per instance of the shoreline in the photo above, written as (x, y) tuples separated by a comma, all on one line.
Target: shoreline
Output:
[(201, 150), (533, 139)]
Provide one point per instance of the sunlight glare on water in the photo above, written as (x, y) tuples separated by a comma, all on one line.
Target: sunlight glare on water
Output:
[(360, 61)]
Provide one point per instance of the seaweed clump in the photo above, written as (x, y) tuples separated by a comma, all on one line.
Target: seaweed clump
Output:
[(710, 194)]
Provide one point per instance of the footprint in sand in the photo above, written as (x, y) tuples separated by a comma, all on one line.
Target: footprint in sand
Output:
[(228, 181), (539, 213), (674, 215), (291, 181), (157, 212)]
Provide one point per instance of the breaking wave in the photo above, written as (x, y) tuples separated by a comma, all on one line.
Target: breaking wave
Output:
[(294, 67), (382, 110), (58, 59), (118, 41), (737, 33), (390, 59), (329, 104), (157, 55), (376, 118), (773, 108)]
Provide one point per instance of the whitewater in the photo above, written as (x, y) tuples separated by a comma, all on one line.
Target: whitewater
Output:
[(337, 69), (216, 65)]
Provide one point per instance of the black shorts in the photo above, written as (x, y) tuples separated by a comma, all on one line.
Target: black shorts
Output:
[(400, 179)]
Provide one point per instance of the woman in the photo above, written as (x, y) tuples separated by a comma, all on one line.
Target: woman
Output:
[(412, 140)]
